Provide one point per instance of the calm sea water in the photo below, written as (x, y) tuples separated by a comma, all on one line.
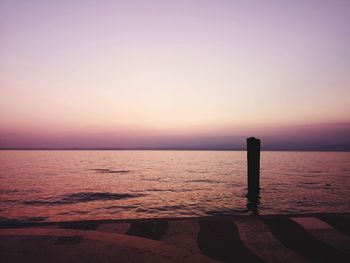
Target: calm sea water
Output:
[(75, 185)]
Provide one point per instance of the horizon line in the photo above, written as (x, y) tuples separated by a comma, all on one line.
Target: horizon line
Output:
[(174, 149)]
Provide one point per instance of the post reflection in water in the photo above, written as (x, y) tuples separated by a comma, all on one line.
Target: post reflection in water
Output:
[(253, 202)]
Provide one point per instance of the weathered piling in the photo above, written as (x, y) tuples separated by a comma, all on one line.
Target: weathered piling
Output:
[(253, 156)]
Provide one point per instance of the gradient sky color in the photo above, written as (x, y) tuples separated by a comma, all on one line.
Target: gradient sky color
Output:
[(202, 74)]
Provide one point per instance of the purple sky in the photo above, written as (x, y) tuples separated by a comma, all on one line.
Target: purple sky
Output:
[(174, 74)]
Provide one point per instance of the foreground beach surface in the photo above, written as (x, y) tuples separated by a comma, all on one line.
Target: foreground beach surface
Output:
[(278, 238)]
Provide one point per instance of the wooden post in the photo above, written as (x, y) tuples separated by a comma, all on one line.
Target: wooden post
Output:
[(253, 156)]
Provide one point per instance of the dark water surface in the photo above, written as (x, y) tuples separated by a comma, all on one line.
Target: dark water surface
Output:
[(76, 185)]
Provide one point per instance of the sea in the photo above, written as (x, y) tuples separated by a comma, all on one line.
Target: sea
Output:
[(52, 186)]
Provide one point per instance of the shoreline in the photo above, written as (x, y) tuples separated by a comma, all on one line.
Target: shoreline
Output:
[(14, 223)]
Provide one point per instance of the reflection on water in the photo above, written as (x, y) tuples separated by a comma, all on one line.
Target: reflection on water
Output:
[(74, 185), (253, 202)]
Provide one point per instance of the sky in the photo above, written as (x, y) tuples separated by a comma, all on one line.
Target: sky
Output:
[(175, 74)]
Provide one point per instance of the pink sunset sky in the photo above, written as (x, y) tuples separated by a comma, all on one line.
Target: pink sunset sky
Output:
[(175, 74)]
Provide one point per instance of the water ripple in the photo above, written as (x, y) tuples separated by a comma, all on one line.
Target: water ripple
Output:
[(81, 198), (109, 171), (209, 181)]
